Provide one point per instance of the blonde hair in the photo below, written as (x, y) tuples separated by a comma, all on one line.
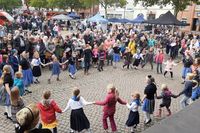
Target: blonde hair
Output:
[(190, 76), (111, 87), (14, 95), (6, 70), (164, 87), (18, 74), (36, 54)]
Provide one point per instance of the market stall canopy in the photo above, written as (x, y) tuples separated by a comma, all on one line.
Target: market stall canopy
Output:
[(98, 18), (74, 15), (139, 19), (124, 20), (62, 17), (113, 20), (167, 19), (5, 18)]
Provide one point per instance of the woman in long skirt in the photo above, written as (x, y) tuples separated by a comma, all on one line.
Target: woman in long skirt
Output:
[(26, 71)]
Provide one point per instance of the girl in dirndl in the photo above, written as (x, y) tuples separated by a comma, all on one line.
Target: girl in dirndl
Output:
[(72, 65), (7, 84), (133, 118), (55, 68), (36, 62), (78, 119), (25, 68), (138, 56)]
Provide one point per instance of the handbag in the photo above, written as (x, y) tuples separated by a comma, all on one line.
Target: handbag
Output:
[(2, 95)]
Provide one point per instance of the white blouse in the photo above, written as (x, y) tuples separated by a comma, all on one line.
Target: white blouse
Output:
[(76, 104), (35, 62), (133, 107)]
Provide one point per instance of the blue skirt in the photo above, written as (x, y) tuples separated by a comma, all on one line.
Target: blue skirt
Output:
[(116, 57), (27, 77), (55, 69), (185, 71), (72, 69), (148, 106)]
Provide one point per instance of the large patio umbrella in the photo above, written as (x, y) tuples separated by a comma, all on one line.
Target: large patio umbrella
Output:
[(62, 17), (139, 19), (167, 19), (98, 18)]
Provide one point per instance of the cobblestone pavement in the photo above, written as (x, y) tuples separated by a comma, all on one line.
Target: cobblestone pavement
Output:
[(93, 87)]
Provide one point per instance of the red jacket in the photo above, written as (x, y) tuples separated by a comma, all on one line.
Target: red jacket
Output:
[(48, 113), (110, 102)]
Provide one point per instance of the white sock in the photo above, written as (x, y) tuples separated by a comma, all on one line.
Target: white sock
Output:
[(8, 110)]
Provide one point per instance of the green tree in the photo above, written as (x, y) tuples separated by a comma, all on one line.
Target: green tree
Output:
[(10, 4), (179, 5), (38, 3), (89, 3), (52, 4)]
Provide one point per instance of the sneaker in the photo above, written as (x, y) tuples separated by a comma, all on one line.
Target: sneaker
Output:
[(9, 118), (148, 122), (5, 113), (37, 81), (28, 91)]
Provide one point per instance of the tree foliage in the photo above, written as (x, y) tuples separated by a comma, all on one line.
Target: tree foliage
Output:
[(179, 5), (10, 4), (38, 3)]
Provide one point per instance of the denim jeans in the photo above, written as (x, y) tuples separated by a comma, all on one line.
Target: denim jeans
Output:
[(185, 101), (159, 66)]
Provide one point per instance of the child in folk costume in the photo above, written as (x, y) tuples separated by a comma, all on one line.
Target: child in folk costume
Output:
[(55, 68), (72, 65), (16, 104), (128, 57), (48, 108), (36, 62), (78, 119), (138, 57), (169, 65), (18, 82), (133, 118), (95, 55), (109, 107), (166, 96)]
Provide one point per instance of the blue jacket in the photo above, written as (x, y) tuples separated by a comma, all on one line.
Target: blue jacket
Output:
[(19, 83), (14, 62), (187, 91)]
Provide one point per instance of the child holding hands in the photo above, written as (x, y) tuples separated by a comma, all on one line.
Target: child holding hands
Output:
[(133, 118), (48, 108), (109, 107), (166, 96), (78, 119)]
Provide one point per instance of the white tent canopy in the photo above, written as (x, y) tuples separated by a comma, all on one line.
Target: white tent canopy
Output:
[(8, 16), (62, 17)]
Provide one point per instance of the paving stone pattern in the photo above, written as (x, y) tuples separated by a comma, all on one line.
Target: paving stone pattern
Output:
[(93, 87)]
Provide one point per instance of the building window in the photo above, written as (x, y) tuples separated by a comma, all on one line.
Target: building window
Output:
[(151, 16), (114, 15)]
